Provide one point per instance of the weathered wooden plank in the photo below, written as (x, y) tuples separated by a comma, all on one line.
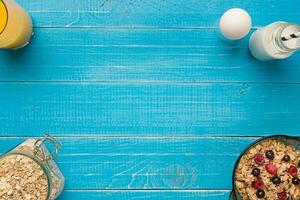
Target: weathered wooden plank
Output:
[(149, 108), (171, 47), (91, 163), (140, 55), (147, 195), (152, 13)]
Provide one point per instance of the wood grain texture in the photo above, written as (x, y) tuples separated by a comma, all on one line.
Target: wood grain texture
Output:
[(153, 13), (140, 163), (140, 55), (148, 195), (148, 101), (149, 109)]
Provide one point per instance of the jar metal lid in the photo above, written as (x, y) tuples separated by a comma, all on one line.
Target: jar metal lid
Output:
[(41, 153)]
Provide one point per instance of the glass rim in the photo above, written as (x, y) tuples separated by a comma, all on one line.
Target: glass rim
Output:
[(7, 15), (279, 36)]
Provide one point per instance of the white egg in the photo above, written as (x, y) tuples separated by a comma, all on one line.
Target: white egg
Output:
[(235, 24)]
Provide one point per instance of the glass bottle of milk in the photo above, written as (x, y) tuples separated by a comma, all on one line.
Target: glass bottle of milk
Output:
[(278, 40)]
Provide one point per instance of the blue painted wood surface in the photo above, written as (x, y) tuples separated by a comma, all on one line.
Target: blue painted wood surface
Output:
[(147, 100), (193, 163), (146, 194)]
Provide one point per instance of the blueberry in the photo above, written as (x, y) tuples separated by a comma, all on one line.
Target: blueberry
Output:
[(260, 193), (276, 180), (296, 181), (286, 158), (270, 154), (256, 172)]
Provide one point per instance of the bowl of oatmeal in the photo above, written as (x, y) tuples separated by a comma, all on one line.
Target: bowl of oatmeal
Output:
[(268, 169)]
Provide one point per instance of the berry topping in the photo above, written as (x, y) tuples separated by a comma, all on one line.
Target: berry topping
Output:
[(296, 181), (276, 180), (260, 194), (286, 158), (259, 159), (258, 184), (256, 172), (272, 169), (293, 170), (282, 196), (270, 154)]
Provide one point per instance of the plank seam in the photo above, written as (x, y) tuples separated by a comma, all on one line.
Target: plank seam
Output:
[(91, 136), (131, 27), (151, 82), (147, 190)]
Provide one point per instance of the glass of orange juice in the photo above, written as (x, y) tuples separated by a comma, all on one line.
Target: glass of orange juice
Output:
[(15, 25)]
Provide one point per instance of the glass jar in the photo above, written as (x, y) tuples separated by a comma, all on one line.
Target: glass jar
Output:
[(287, 140), (15, 25), (33, 160), (267, 44)]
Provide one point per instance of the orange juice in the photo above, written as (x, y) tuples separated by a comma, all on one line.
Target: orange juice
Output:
[(15, 25)]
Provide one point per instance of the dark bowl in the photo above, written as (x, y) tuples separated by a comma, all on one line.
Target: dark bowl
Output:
[(288, 140)]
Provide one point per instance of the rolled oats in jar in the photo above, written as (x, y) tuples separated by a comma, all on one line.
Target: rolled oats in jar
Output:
[(29, 171)]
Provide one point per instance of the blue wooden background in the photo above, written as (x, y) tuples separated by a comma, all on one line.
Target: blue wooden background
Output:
[(147, 100)]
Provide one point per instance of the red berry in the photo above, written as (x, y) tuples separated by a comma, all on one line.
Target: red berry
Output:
[(272, 169), (259, 159), (282, 196), (293, 170), (258, 184)]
